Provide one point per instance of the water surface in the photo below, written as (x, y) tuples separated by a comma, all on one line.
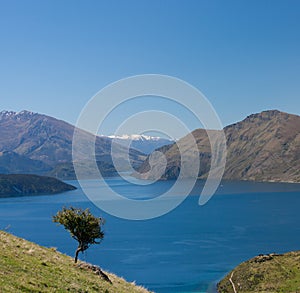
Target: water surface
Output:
[(187, 250)]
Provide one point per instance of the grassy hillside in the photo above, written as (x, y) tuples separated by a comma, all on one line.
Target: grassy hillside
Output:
[(265, 273), (28, 267)]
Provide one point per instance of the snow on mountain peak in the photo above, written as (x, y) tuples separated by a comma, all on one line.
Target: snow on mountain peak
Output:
[(137, 137), (5, 113), (11, 114)]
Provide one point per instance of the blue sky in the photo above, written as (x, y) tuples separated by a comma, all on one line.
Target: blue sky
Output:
[(243, 55)]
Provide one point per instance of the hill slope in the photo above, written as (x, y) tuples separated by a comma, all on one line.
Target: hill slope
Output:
[(18, 185), (265, 273), (262, 147), (67, 172), (27, 267), (38, 137), (47, 142), (11, 162)]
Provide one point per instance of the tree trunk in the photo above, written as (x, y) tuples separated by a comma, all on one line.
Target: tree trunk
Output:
[(76, 253)]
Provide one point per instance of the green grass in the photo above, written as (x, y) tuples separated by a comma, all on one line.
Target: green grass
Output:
[(28, 267), (268, 273)]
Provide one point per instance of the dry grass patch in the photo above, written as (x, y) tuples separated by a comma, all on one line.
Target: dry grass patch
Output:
[(28, 267)]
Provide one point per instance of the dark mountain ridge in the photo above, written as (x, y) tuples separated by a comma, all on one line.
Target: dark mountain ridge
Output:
[(20, 185)]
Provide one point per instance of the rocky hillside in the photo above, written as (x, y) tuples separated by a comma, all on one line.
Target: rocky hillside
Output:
[(18, 185), (262, 147), (67, 171), (28, 267), (265, 273), (35, 143), (37, 137), (11, 162)]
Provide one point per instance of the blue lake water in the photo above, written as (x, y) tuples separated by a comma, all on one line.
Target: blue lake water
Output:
[(186, 250)]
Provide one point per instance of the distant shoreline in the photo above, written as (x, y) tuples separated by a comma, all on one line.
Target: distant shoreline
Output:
[(16, 185)]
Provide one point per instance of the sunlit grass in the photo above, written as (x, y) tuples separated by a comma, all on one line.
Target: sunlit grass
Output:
[(27, 267)]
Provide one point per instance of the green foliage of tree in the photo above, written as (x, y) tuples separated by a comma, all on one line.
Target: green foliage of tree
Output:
[(84, 227)]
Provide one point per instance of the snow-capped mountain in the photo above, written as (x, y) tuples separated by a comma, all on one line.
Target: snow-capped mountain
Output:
[(144, 143)]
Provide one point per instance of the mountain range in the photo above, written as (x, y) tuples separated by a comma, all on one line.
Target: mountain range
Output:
[(38, 144), (262, 147)]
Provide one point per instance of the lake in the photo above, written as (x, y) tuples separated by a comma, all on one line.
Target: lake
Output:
[(186, 250)]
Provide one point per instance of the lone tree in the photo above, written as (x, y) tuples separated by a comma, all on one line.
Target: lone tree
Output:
[(85, 228)]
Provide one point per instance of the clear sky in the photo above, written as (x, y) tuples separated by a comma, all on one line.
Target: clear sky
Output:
[(243, 55)]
